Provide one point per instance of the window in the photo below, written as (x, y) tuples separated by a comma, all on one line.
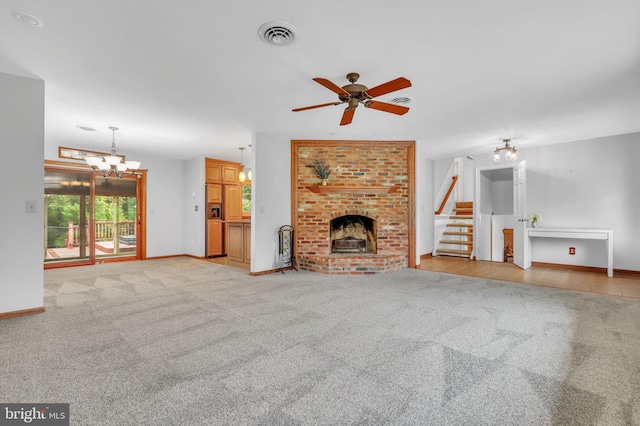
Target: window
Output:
[(246, 199)]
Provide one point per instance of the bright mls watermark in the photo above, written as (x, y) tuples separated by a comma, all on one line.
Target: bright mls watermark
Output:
[(34, 414)]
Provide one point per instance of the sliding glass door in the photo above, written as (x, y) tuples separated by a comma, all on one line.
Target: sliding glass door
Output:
[(115, 217), (67, 201), (91, 218)]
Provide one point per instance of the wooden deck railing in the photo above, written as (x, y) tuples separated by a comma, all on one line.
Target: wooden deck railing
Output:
[(446, 197), (103, 230)]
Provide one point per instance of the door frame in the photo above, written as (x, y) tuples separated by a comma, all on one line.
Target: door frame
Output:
[(519, 199), (141, 215)]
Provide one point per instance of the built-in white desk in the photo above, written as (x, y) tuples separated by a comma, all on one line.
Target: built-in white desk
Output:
[(571, 233)]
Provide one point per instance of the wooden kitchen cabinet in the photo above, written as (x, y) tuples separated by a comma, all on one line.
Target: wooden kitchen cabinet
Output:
[(239, 244), (223, 204), (215, 238), (213, 172), (230, 175), (232, 203), (214, 193)]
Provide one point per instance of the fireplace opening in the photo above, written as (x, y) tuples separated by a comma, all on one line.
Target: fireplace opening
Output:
[(353, 234)]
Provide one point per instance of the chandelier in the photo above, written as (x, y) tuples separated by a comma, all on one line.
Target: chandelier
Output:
[(112, 164), (510, 152)]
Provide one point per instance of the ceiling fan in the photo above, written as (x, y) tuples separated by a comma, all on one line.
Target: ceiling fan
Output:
[(354, 94)]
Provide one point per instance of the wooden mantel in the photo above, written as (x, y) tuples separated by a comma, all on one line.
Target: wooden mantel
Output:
[(350, 189)]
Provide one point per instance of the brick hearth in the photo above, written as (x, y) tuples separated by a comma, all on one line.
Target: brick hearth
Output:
[(372, 179)]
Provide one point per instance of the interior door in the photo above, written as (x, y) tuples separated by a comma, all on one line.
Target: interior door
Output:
[(521, 254)]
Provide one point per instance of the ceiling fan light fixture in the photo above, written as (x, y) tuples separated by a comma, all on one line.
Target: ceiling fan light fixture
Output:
[(278, 33)]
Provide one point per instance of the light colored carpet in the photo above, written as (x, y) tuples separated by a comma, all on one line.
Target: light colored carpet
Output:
[(182, 341)]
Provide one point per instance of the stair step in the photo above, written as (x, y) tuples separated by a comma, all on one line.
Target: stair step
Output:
[(464, 204), (461, 216), (456, 252), (462, 234), (463, 211), (460, 225), (457, 242)]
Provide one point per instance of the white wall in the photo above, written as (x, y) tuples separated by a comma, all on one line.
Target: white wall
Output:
[(166, 206), (271, 197), (584, 184), (424, 202), (193, 194), (22, 242)]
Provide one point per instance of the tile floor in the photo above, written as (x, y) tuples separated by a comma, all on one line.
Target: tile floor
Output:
[(591, 282)]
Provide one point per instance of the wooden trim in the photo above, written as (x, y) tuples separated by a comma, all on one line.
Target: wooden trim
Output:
[(411, 160), (348, 189), (21, 313), (141, 188), (294, 197), (581, 268), (171, 256), (446, 197), (86, 152)]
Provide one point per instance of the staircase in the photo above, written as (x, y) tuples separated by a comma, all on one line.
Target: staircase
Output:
[(458, 237)]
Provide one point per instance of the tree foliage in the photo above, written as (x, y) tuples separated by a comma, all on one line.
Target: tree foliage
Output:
[(63, 209)]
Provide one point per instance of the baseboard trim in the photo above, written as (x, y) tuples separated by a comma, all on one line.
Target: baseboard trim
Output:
[(176, 255), (21, 313), (580, 268)]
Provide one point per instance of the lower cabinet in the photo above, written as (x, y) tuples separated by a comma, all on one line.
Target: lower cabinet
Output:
[(214, 238), (239, 244)]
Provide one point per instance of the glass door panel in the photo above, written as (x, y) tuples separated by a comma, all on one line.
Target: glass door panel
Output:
[(67, 200), (115, 211)]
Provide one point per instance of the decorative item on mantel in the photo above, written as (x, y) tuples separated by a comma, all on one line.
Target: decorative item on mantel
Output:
[(322, 170), (534, 218)]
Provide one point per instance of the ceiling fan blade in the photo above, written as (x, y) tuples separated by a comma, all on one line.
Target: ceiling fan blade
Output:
[(389, 86), (316, 106), (383, 106), (347, 117), (331, 86)]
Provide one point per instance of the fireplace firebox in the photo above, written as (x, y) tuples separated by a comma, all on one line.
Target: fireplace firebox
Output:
[(353, 234)]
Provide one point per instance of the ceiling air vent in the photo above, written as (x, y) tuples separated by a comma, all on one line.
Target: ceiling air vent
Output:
[(400, 100), (278, 33)]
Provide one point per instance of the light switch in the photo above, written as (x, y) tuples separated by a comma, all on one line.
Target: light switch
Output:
[(30, 206)]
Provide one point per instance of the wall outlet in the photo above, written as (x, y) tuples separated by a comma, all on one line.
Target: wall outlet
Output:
[(572, 250)]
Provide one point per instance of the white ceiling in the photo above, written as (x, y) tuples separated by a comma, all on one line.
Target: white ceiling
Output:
[(185, 79)]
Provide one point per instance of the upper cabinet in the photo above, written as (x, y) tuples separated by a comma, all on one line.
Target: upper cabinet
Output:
[(213, 172), (224, 172), (230, 175)]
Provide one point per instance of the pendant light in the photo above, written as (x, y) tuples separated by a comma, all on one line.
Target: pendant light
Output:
[(242, 176)]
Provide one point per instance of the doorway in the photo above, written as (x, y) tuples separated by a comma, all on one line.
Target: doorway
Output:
[(500, 196), (91, 218)]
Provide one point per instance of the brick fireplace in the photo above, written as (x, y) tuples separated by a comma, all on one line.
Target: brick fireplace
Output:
[(361, 222)]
